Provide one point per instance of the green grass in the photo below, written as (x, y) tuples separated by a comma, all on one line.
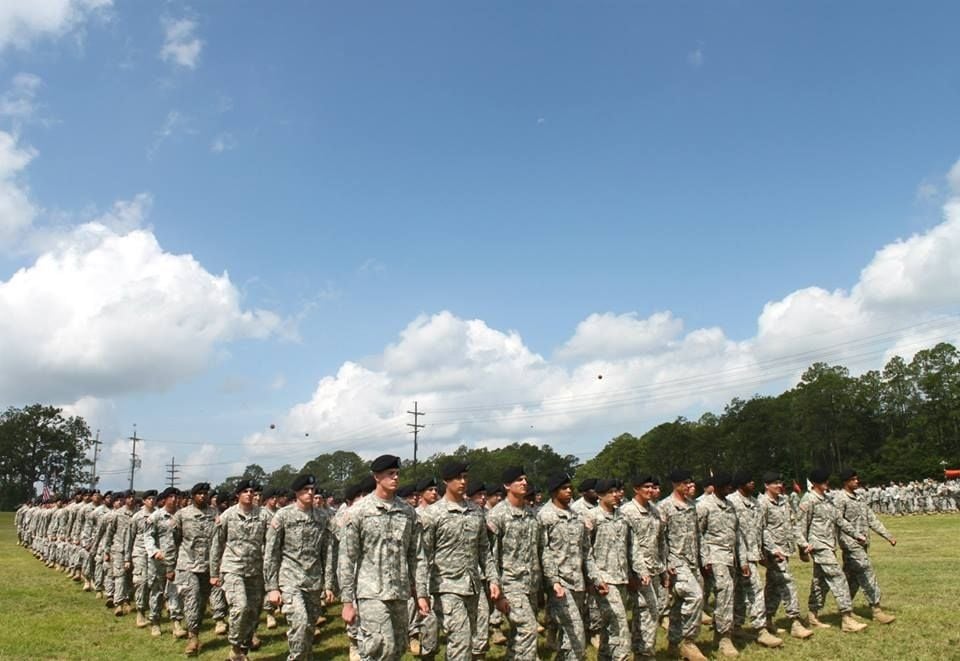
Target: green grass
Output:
[(46, 616)]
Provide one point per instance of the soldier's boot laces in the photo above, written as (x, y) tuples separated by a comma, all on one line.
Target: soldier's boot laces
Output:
[(881, 616), (193, 645), (141, 620), (767, 639), (178, 630), (688, 650), (155, 631), (814, 622), (221, 628), (851, 625), (271, 621), (726, 647), (797, 630)]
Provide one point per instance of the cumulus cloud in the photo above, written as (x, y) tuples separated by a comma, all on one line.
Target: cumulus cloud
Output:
[(181, 45), (19, 102), (17, 211), (612, 336), (107, 311), (22, 22)]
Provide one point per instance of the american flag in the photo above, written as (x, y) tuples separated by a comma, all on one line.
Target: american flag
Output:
[(46, 493)]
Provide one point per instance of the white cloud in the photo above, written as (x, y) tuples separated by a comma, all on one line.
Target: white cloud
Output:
[(181, 46), (17, 211), (19, 102), (223, 142), (614, 336), (173, 123), (105, 312), (953, 178), (22, 22), (371, 266), (695, 58)]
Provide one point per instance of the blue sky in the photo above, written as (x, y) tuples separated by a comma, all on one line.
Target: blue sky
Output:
[(352, 166)]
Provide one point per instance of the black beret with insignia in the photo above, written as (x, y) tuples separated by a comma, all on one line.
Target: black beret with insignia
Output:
[(819, 475), (384, 462), (302, 482), (512, 473), (557, 480), (200, 487), (453, 469)]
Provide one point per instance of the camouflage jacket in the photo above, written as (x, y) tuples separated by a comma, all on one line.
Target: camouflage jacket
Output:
[(133, 539), (454, 552), (645, 541), (515, 544), (609, 532), (717, 521), (161, 535), (379, 544), (778, 526), (298, 554), (854, 508), (681, 537), (749, 542), (193, 532), (820, 523), (238, 542), (566, 553)]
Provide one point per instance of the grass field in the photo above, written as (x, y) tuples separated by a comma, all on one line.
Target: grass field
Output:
[(46, 616)]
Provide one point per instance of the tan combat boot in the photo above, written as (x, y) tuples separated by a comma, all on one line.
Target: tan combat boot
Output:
[(127, 608), (767, 639), (814, 622), (193, 645), (688, 650), (118, 611), (354, 652), (155, 631), (850, 624), (178, 630), (255, 643), (414, 646), (271, 621), (797, 630), (221, 628), (99, 594), (497, 637), (142, 621), (236, 653), (87, 585), (882, 617), (726, 647)]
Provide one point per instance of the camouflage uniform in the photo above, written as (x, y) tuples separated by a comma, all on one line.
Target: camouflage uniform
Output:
[(454, 560), (748, 600), (425, 627), (193, 531), (115, 543), (717, 521), (298, 561), (377, 569), (856, 563), (135, 553), (567, 560), (779, 535), (159, 537), (682, 543), (819, 524), (236, 557), (609, 532), (515, 544), (644, 544)]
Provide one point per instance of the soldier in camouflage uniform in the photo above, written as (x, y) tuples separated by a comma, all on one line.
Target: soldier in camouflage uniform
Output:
[(748, 596), (856, 562), (193, 530), (424, 630), (161, 551), (379, 545), (236, 565), (586, 502), (87, 534), (645, 566), (298, 565), (135, 553), (568, 568), (515, 544), (819, 524), (609, 533), (120, 567), (454, 560), (682, 549)]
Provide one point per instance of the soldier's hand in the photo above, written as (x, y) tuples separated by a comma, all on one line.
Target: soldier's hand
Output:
[(779, 555), (645, 580), (808, 549), (127, 565), (665, 580), (423, 605), (602, 589), (893, 541), (494, 592), (862, 541), (274, 598), (158, 555), (106, 557), (171, 575), (349, 613), (708, 569), (503, 605), (329, 597), (745, 570), (215, 581), (558, 591)]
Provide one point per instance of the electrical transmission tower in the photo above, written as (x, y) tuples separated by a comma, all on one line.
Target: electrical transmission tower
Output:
[(172, 471), (416, 413), (134, 459), (96, 455)]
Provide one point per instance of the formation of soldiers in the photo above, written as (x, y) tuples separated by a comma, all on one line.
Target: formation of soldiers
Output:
[(918, 497), (608, 569)]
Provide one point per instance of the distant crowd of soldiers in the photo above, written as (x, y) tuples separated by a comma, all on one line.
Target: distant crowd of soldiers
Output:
[(918, 497), (448, 556)]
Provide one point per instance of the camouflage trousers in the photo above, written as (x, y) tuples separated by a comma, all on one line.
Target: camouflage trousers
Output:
[(218, 603), (522, 636), (457, 614), (860, 574), (567, 613), (594, 616), (481, 637), (748, 602), (615, 628), (141, 587), (780, 587), (103, 576), (425, 626), (827, 575), (302, 608), (171, 595), (687, 606), (244, 596), (383, 629), (160, 589), (194, 591), (646, 615), (121, 578), (724, 582)]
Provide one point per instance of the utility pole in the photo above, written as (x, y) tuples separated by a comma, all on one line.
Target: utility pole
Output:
[(416, 413), (134, 459), (172, 471), (96, 455)]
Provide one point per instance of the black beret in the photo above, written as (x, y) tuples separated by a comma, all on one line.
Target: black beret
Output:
[(367, 484), (223, 496), (351, 491), (640, 480), (108, 494), (426, 483), (769, 477), (474, 488), (198, 487), (819, 475), (531, 491), (406, 491), (453, 470), (243, 485), (605, 486), (512, 473), (150, 493), (741, 478), (721, 480), (169, 491), (680, 475), (587, 484), (708, 481), (268, 492), (655, 481), (302, 482), (847, 474), (557, 480), (495, 490), (129, 493), (384, 462)]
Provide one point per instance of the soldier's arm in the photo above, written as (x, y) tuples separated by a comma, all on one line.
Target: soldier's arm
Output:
[(150, 536), (413, 553), (347, 562), (703, 522), (876, 525), (485, 555), (426, 552), (636, 545), (218, 542), (126, 542), (548, 556), (272, 554), (496, 551), (804, 521), (330, 557)]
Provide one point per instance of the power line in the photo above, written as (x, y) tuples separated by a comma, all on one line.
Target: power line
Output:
[(172, 471), (96, 454), (134, 459), (416, 413)]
